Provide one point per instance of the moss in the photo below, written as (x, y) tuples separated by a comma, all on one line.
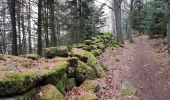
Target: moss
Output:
[(70, 84), (93, 47), (88, 42), (90, 59), (32, 56), (83, 72), (87, 96), (61, 86), (94, 63), (49, 92), (2, 57), (87, 48), (100, 46), (73, 61), (69, 47), (127, 98), (96, 52), (56, 51), (16, 82), (90, 86)]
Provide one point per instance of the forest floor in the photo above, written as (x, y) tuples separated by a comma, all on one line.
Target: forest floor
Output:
[(138, 64)]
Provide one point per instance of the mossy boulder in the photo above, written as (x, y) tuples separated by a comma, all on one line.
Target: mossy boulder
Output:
[(56, 51), (71, 82), (2, 57), (49, 92), (90, 59), (93, 47), (32, 56), (96, 52), (83, 72), (12, 83), (90, 86), (87, 48), (87, 96), (101, 46), (88, 42)]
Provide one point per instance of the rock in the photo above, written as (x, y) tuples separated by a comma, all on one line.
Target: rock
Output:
[(83, 72), (49, 92), (2, 57), (90, 59), (70, 84), (56, 51), (12, 83), (96, 52), (88, 42), (87, 96), (32, 56), (90, 86)]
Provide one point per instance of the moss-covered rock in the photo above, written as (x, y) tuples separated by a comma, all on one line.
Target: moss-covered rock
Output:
[(90, 59), (16, 82), (100, 46), (49, 92), (83, 72), (87, 96), (88, 42), (70, 84), (32, 56), (90, 86), (96, 52), (2, 57), (93, 47), (56, 51), (87, 48)]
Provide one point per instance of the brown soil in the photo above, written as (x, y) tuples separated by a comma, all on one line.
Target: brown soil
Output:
[(140, 65)]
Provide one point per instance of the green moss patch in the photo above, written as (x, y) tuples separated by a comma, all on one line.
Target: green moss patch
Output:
[(16, 82), (83, 72), (56, 51), (49, 92), (32, 56), (90, 86)]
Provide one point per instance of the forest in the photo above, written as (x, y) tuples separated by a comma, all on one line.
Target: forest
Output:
[(84, 49)]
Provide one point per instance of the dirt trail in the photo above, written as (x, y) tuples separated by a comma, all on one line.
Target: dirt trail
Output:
[(138, 64)]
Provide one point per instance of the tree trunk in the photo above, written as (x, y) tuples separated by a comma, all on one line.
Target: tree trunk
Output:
[(39, 51), (13, 25), (29, 27), (52, 20), (117, 8)]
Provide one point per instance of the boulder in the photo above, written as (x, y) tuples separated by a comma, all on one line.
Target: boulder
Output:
[(90, 86), (49, 92), (90, 59), (56, 51), (12, 83), (32, 56), (96, 52), (83, 72)]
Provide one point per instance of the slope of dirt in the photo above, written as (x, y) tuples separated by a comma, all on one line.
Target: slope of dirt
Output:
[(137, 64)]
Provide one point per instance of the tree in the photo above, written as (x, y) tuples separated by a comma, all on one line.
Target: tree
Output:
[(13, 25), (117, 10), (39, 51)]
